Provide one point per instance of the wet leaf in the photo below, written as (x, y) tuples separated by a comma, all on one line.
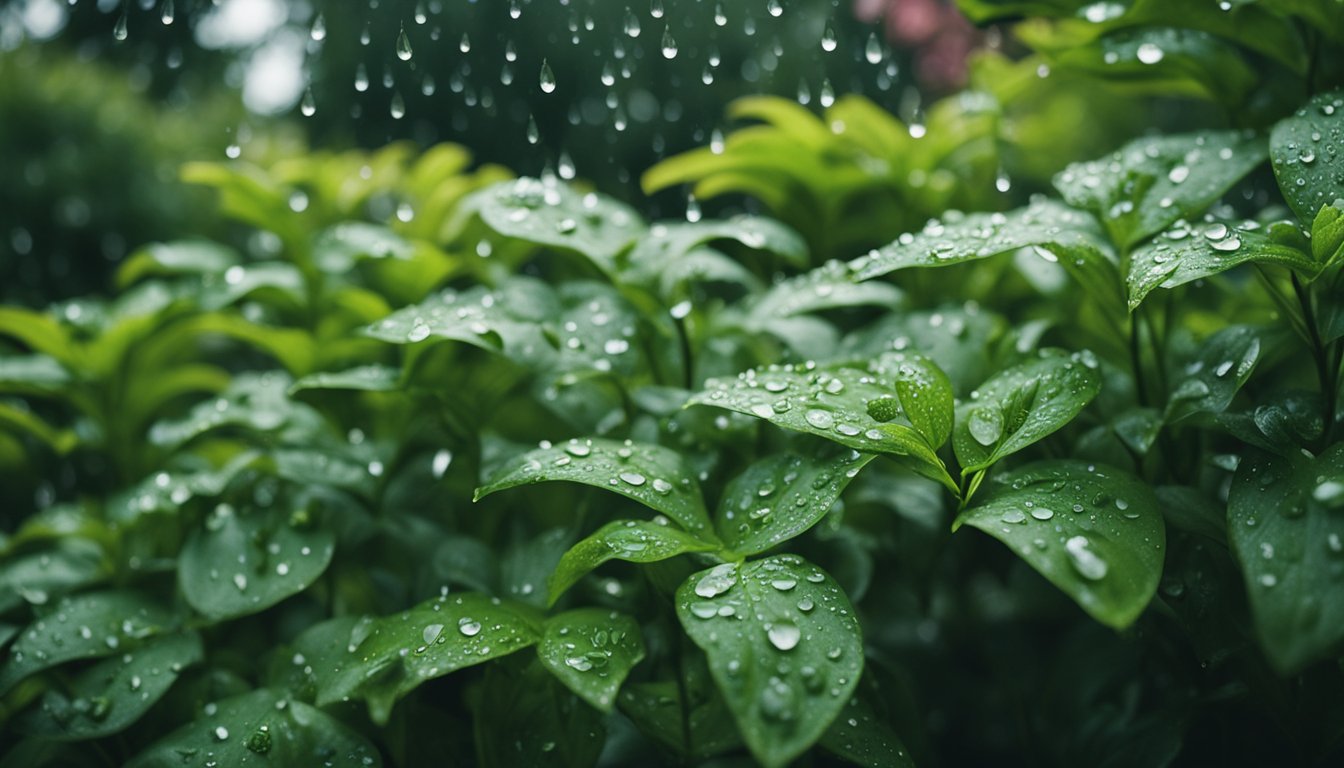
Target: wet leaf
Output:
[(1210, 381), (655, 476), (591, 651), (1285, 522), (1093, 531), (1022, 405), (635, 541), (860, 736), (830, 286), (1307, 150), (784, 647), (560, 728), (255, 403)]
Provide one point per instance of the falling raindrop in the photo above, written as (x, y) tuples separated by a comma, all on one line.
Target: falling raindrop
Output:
[(403, 45), (547, 77), (669, 45)]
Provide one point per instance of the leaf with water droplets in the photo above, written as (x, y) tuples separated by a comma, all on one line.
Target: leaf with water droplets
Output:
[(244, 561), (180, 257), (1093, 531), (339, 249), (88, 625), (1285, 523), (1153, 182), (665, 245), (364, 378), (551, 725), (550, 213), (850, 405), (781, 496), (255, 403), (1217, 373), (1059, 233), (830, 286), (591, 650), (634, 541), (1193, 252), (381, 659), (653, 475), (1022, 405), (958, 339), (168, 492), (262, 727), (109, 696), (1284, 423), (864, 738), (784, 648), (1307, 150)]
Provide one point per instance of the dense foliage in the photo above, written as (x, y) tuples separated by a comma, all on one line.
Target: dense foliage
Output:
[(434, 465)]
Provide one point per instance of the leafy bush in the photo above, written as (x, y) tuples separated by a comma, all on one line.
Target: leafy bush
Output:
[(446, 467)]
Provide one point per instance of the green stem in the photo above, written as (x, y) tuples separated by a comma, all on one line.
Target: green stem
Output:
[(1136, 360), (1325, 371)]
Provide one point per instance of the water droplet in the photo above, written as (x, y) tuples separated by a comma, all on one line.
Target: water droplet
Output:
[(633, 478), (784, 635), (432, 633), (669, 45), (718, 580), (468, 627), (986, 425), (403, 45), (1084, 560), (547, 78), (1149, 53)]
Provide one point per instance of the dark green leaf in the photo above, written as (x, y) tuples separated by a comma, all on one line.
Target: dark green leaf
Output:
[(1285, 522), (861, 737), (1022, 405), (591, 651), (781, 496), (926, 398), (1093, 531), (244, 562), (552, 726), (112, 694), (1151, 183), (783, 645), (255, 403), (258, 729), (1212, 379), (655, 476), (635, 541), (1307, 150)]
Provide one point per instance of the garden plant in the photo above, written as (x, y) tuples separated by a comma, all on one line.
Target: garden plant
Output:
[(998, 438)]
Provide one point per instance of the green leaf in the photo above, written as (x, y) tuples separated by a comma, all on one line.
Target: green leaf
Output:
[(1307, 150), (382, 659), (926, 398), (1022, 405), (689, 715), (240, 563), (1193, 252), (553, 727), (182, 257), (863, 738), (781, 496), (109, 696), (1093, 531), (255, 403), (1058, 234), (667, 245), (547, 212), (1151, 183), (340, 248), (1327, 233), (24, 422), (364, 378), (32, 374), (261, 728), (38, 575), (635, 541), (655, 476), (1285, 522), (1284, 424), (1212, 379), (958, 339), (170, 491), (89, 625), (591, 650), (853, 406), (38, 331), (784, 647), (830, 286)]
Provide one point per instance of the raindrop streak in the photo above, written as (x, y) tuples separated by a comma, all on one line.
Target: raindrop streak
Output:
[(547, 77), (167, 13)]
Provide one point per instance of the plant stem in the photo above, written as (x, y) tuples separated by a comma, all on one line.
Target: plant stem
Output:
[(1327, 372), (1136, 360)]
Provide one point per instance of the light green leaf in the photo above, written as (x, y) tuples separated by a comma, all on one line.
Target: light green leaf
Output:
[(1022, 405), (665, 245), (24, 422), (181, 257), (1307, 150), (382, 659), (1193, 252), (1285, 522), (853, 406), (109, 696), (547, 212), (1151, 183), (340, 248), (240, 563), (830, 286), (365, 378), (32, 374), (635, 541), (255, 403), (1212, 379), (781, 496), (261, 728), (1093, 531), (90, 625), (926, 398), (656, 477), (591, 650), (958, 339), (784, 647), (38, 331), (508, 317), (1327, 233)]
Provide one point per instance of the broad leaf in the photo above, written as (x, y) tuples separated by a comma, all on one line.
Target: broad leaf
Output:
[(1192, 252), (1022, 405), (591, 651), (853, 406), (382, 659), (182, 257), (255, 403), (242, 562), (547, 212), (1210, 381), (507, 318), (655, 476), (635, 541), (863, 738), (781, 496), (666, 245), (1307, 150), (926, 398), (340, 248), (168, 492), (552, 727), (112, 694), (830, 286), (1095, 532), (365, 378), (261, 728), (1285, 522), (1151, 183), (958, 339), (784, 647), (90, 625)]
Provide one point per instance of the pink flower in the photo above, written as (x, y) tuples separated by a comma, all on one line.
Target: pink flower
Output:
[(941, 37)]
